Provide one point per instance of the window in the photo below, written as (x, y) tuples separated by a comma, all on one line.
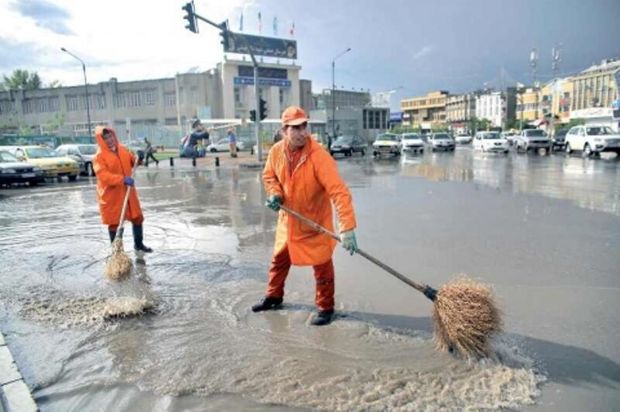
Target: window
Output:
[(119, 100), (149, 97), (377, 120), (237, 96), (365, 117), (42, 107), (73, 103), (135, 99), (170, 99), (28, 106)]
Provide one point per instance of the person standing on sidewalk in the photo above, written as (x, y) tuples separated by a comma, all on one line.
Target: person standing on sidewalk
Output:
[(149, 150), (301, 175), (113, 166), (232, 142)]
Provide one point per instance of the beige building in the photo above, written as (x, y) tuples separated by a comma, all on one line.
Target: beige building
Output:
[(426, 111), (596, 86), (460, 108)]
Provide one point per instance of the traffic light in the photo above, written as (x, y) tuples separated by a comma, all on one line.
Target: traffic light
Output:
[(253, 115), (224, 41), (192, 24), (263, 109)]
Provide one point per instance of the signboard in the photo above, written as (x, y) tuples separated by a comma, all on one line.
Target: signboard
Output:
[(243, 81), (615, 106), (261, 46)]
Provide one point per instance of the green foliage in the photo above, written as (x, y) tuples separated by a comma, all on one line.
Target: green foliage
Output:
[(54, 124), (54, 84), (476, 124), (22, 79), (24, 130)]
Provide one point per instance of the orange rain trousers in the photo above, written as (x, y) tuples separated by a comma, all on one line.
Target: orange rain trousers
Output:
[(323, 274)]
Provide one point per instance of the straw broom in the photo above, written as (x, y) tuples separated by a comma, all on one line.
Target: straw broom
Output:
[(465, 316), (119, 265)]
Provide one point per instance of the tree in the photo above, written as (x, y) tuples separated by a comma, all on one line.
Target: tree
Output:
[(54, 84), (22, 79)]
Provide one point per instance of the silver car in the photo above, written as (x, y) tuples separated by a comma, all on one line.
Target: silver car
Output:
[(532, 139), (81, 153), (441, 141)]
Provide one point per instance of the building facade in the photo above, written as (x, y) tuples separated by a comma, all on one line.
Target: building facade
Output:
[(460, 109), (425, 111), (497, 106), (597, 86)]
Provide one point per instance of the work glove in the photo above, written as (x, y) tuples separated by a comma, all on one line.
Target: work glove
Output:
[(273, 202), (348, 241), (128, 181)]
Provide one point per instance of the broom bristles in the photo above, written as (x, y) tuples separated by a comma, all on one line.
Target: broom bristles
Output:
[(119, 264), (465, 317)]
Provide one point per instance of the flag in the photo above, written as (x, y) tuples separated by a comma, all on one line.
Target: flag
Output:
[(260, 23), (241, 22), (292, 31), (275, 26)]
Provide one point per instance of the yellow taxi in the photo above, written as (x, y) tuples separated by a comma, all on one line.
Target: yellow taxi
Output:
[(53, 164)]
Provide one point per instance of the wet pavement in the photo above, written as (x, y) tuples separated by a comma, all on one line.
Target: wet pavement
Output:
[(544, 231)]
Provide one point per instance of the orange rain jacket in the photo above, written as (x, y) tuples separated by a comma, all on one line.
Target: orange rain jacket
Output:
[(111, 169), (309, 190)]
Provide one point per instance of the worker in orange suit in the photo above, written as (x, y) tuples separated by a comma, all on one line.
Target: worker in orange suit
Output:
[(301, 175), (113, 166)]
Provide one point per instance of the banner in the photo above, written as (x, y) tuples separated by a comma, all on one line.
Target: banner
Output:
[(261, 46)]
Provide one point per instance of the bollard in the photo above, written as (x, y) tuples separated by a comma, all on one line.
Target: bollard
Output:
[(172, 161), (217, 161), (194, 161)]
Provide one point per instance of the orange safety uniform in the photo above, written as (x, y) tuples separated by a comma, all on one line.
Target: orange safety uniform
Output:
[(308, 182), (111, 169)]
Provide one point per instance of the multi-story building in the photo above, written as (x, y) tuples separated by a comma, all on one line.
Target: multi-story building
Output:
[(225, 92), (425, 111), (496, 106), (556, 99), (528, 104), (343, 99), (597, 86), (460, 109)]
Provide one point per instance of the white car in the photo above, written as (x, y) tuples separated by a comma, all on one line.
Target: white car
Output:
[(441, 141), (509, 136), (463, 138), (490, 142), (386, 144), (592, 140), (412, 142), (532, 139), (223, 146)]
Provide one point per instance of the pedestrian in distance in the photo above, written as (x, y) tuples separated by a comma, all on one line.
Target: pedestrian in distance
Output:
[(301, 175), (232, 142), (149, 150), (113, 165)]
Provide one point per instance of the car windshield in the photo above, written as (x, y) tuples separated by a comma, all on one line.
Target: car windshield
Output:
[(598, 131), (344, 140), (441, 136), (536, 133), (40, 152), (7, 157), (388, 136), (411, 136), (88, 149), (490, 136)]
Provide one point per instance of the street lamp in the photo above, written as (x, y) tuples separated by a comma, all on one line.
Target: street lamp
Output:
[(333, 91), (90, 132)]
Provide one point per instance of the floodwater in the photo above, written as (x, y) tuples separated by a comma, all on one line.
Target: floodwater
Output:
[(543, 231)]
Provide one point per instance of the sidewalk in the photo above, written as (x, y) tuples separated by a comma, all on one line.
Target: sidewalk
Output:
[(14, 393), (244, 160)]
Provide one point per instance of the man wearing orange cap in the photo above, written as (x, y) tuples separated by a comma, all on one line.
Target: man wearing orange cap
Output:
[(301, 175)]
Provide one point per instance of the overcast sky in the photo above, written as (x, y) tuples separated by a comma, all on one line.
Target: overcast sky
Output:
[(414, 45)]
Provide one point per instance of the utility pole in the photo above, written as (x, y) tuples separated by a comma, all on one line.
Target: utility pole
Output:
[(533, 63), (90, 131), (333, 92), (226, 34)]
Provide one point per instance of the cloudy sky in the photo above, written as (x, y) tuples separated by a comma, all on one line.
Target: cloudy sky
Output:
[(414, 46)]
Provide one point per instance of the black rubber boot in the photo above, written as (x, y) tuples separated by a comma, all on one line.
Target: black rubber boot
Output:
[(267, 303), (324, 317), (138, 238), (112, 234)]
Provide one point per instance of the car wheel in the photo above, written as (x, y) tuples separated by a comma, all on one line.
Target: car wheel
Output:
[(213, 150), (72, 178), (331, 153), (587, 150)]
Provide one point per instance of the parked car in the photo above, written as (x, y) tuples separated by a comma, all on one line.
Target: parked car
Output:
[(347, 145), (386, 144), (509, 136), (558, 141), (532, 139), (592, 140), (53, 164), (463, 138), (222, 145), (412, 143), (81, 153), (441, 141), (491, 142), (14, 171)]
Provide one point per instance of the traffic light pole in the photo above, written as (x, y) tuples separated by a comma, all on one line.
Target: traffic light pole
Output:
[(224, 28)]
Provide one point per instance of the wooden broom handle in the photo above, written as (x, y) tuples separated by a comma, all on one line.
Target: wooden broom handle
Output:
[(119, 230), (422, 288)]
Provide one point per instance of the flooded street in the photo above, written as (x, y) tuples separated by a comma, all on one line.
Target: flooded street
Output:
[(544, 231)]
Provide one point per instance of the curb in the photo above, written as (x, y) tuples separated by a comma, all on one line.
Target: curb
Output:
[(14, 393)]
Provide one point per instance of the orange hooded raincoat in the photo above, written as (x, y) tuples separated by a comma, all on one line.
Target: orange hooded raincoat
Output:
[(310, 190), (111, 169)]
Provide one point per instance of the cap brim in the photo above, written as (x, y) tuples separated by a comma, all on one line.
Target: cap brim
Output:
[(296, 122)]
